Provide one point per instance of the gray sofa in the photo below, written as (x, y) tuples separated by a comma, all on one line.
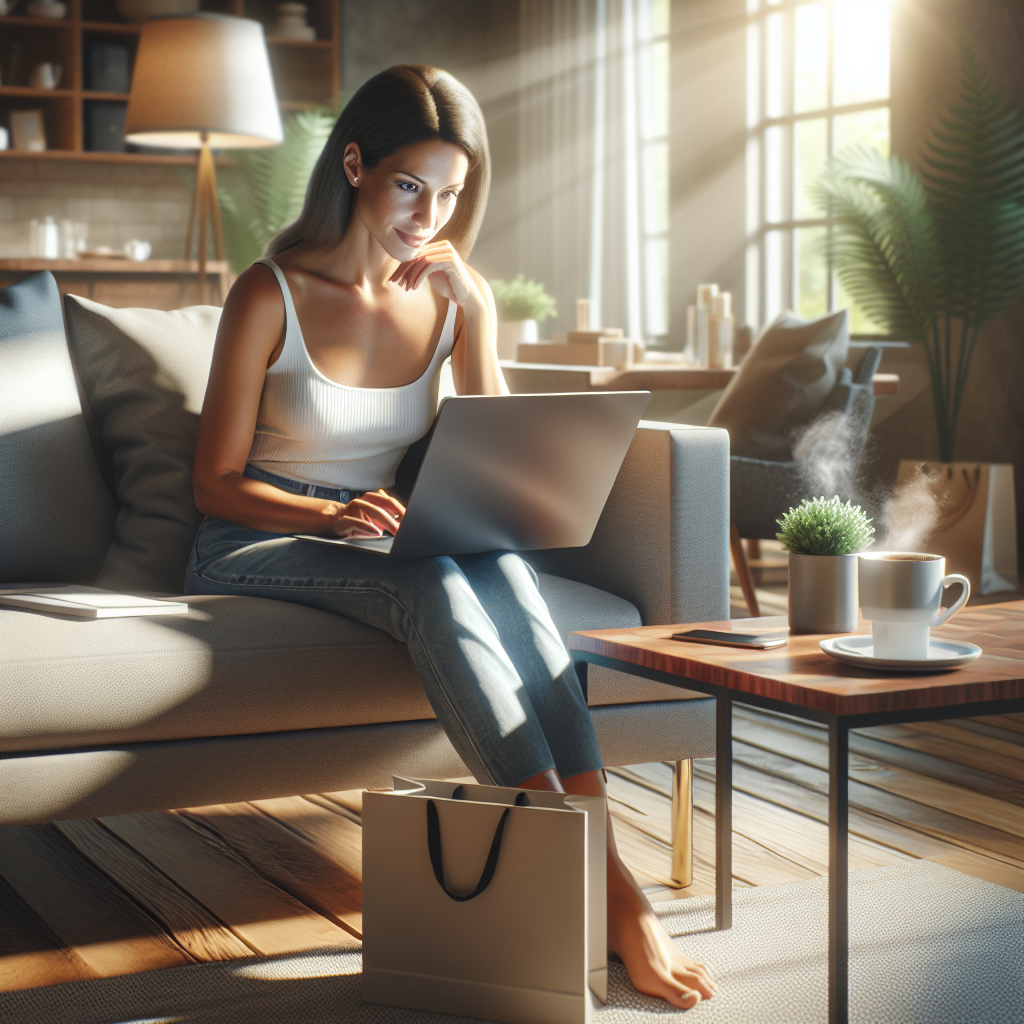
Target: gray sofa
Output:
[(246, 698)]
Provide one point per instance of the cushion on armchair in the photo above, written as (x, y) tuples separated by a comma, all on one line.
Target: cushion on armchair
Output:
[(783, 383), (144, 374)]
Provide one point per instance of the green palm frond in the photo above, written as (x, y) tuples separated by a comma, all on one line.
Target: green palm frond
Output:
[(974, 178), (884, 244), (268, 186), (936, 257)]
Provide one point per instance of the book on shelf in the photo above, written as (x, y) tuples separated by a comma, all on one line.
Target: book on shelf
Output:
[(88, 602)]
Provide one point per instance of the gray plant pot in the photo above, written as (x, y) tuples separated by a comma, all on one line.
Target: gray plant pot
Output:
[(822, 593)]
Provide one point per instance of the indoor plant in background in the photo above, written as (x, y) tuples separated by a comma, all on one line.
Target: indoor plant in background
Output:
[(933, 258), (265, 189), (823, 537), (522, 305)]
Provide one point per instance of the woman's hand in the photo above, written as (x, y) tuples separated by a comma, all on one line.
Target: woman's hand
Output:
[(369, 516), (448, 276)]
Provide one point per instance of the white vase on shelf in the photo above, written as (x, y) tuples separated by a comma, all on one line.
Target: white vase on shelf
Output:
[(290, 22)]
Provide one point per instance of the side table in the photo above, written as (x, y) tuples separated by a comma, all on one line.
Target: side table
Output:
[(800, 679)]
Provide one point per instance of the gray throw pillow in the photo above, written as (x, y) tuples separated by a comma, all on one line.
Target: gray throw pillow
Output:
[(144, 374), (782, 384)]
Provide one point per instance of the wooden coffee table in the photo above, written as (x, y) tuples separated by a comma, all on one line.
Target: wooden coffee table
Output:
[(800, 679)]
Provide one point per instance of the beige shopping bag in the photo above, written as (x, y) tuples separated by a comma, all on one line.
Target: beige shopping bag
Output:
[(976, 519), (485, 902)]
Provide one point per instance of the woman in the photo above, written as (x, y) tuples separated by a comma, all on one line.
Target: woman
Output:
[(325, 370)]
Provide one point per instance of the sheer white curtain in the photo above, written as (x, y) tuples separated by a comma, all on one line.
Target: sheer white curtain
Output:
[(593, 162)]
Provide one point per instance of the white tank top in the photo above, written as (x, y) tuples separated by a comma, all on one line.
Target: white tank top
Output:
[(316, 431)]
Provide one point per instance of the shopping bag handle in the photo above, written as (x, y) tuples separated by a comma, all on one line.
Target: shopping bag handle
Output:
[(434, 847)]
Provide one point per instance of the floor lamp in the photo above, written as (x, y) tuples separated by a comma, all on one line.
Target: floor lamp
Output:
[(203, 83)]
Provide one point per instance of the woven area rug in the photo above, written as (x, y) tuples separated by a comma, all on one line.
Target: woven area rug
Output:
[(930, 946)]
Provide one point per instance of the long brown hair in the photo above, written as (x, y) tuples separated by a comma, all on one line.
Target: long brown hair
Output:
[(406, 103)]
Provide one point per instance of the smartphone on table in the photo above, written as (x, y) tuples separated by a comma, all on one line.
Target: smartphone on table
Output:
[(726, 638)]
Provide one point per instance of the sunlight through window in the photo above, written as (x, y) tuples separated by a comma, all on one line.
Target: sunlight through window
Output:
[(818, 83)]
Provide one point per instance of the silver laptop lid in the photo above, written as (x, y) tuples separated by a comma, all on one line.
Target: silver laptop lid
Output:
[(518, 472)]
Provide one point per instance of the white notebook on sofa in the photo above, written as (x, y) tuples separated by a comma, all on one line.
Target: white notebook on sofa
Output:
[(88, 602)]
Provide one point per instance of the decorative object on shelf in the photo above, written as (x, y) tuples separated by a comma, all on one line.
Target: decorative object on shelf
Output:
[(522, 305), (7, 7), (203, 83), (901, 595), (972, 521), (28, 131), (710, 329), (137, 250), (11, 62), (823, 537), (45, 76), (935, 257), (290, 22), (720, 331), (584, 348), (74, 236), (138, 11), (44, 239), (266, 188), (615, 352), (46, 9), (103, 252), (108, 66), (104, 126), (4, 140)]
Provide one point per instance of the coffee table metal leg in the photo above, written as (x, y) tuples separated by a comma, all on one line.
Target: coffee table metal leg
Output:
[(838, 873), (723, 814)]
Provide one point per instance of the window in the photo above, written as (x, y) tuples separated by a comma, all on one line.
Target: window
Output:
[(652, 109), (817, 83)]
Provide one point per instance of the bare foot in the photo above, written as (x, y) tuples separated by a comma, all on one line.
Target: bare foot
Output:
[(655, 965)]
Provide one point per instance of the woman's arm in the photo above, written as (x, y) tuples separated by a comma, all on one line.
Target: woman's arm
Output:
[(475, 367), (249, 339)]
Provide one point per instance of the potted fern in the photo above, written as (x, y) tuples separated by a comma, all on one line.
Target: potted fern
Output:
[(823, 537), (265, 190), (522, 305), (935, 257)]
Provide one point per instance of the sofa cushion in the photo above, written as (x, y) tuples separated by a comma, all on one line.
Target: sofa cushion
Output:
[(782, 384), (231, 666), (56, 514), (144, 375)]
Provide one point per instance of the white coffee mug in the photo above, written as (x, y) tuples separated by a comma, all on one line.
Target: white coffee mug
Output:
[(901, 595)]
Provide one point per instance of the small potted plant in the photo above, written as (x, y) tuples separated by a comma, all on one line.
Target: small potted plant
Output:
[(823, 536), (522, 305)]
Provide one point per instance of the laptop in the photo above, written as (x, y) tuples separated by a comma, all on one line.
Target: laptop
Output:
[(512, 473)]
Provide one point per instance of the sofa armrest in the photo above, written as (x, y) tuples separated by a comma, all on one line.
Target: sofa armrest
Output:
[(662, 542)]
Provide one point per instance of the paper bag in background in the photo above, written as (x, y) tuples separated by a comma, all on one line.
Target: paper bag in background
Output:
[(529, 947), (976, 528)]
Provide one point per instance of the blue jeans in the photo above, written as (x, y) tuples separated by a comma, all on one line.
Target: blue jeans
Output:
[(492, 663)]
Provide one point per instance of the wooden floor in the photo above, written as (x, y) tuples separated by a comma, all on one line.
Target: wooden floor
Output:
[(87, 899)]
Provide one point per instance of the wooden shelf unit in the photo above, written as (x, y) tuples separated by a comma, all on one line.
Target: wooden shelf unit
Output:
[(306, 73)]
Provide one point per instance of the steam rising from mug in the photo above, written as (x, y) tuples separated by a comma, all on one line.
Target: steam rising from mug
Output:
[(826, 454)]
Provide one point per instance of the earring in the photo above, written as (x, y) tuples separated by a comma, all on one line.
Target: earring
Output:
[(355, 181)]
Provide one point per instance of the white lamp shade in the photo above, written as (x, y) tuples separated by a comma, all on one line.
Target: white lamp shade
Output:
[(210, 74)]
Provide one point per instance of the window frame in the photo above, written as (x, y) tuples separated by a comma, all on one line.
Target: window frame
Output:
[(760, 307)]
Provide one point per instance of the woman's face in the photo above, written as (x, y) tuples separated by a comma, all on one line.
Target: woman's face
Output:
[(410, 195)]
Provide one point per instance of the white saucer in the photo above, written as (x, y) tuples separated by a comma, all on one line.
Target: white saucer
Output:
[(859, 650)]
